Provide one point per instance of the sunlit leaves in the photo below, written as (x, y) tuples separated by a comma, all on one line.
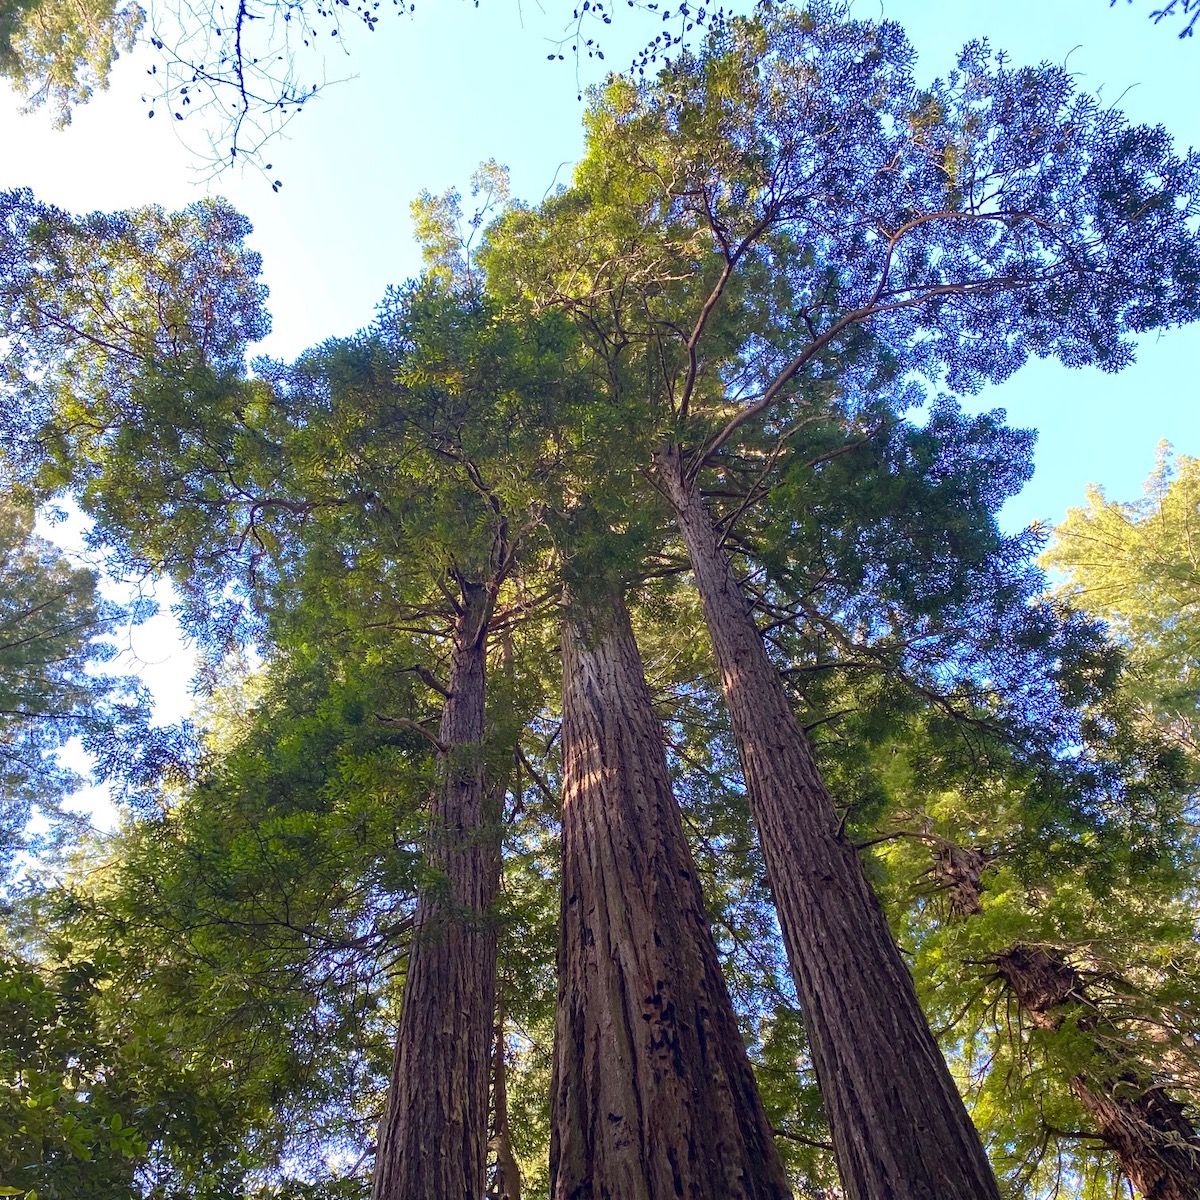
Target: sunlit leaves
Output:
[(59, 54), (1137, 566)]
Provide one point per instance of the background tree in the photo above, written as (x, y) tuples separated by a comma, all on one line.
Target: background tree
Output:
[(1136, 566), (1061, 963), (59, 54), (56, 631), (234, 956)]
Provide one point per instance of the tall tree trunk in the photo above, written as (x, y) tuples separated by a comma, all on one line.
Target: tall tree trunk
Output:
[(508, 1170), (653, 1096), (434, 1134), (1144, 1126), (900, 1129)]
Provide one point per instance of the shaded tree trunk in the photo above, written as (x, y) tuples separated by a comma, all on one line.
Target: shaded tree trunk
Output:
[(900, 1128), (508, 1171), (653, 1097), (434, 1133), (1144, 1126)]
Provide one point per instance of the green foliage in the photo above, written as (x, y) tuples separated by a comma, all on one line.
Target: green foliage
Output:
[(441, 232), (1136, 566), (67, 1108), (59, 54), (252, 938), (54, 640), (762, 251), (975, 853), (125, 371), (50, 625)]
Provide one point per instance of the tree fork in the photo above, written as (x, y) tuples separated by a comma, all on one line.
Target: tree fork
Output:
[(653, 1097), (900, 1128), (433, 1138)]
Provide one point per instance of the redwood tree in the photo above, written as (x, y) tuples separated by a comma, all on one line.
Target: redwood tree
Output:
[(653, 1096), (433, 1138), (380, 486), (787, 226)]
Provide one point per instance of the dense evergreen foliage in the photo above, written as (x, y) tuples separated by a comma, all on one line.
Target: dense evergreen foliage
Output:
[(512, 605)]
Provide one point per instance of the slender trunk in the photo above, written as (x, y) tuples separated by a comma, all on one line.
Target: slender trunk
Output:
[(1144, 1126), (900, 1129), (653, 1097), (433, 1137), (508, 1171)]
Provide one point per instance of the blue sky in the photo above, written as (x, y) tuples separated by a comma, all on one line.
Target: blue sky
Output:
[(451, 85)]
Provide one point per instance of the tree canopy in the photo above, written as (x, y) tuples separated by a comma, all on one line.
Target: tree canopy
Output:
[(56, 634), (622, 712), (1134, 565)]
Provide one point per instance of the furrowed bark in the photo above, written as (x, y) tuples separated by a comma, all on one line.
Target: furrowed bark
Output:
[(434, 1134), (653, 1097), (900, 1128), (1144, 1126)]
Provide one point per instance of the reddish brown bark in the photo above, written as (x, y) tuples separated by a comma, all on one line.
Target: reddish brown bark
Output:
[(1144, 1126), (900, 1129), (653, 1096), (433, 1137)]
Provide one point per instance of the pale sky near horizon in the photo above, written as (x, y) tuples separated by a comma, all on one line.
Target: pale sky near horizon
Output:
[(451, 85)]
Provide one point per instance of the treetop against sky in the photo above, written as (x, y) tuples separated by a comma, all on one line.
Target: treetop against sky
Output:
[(420, 102), (693, 376), (430, 95)]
